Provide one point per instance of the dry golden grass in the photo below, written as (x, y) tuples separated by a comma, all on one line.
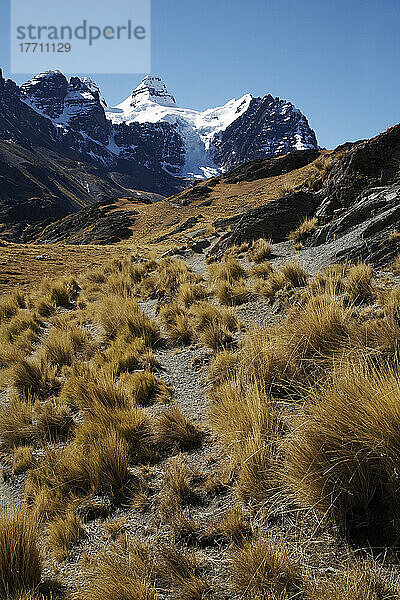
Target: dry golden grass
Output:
[(133, 425), (360, 579), (307, 226), (87, 388), (114, 527), (261, 271), (175, 431), (260, 250), (214, 325), (268, 287), (10, 304), (342, 457), (359, 281), (126, 356), (20, 560), (231, 294), (61, 292), (189, 293), (53, 421), (178, 486), (229, 270), (62, 345), (144, 388), (23, 459), (32, 378), (222, 367), (118, 574), (394, 236), (63, 532), (263, 568), (235, 525), (294, 274), (176, 321), (16, 427), (182, 574)]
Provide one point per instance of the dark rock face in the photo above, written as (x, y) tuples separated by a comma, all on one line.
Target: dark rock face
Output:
[(47, 92), (269, 127), (363, 165), (274, 220), (97, 224), (272, 167), (362, 230), (360, 200)]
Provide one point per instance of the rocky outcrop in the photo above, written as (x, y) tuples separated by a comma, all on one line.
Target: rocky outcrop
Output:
[(357, 206), (273, 221), (97, 224), (272, 167)]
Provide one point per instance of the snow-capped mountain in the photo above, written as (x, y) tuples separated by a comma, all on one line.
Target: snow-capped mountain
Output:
[(275, 127), (148, 139)]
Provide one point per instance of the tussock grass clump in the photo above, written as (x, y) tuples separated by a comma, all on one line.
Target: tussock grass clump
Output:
[(87, 388), (229, 270), (33, 378), (261, 271), (120, 573), (320, 327), (294, 274), (303, 231), (63, 531), (77, 471), (359, 580), (176, 320), (61, 292), (268, 287), (214, 325), (394, 236), (20, 560), (231, 294), (175, 431), (178, 488), (330, 280), (23, 327), (358, 283), (16, 428), (122, 316), (166, 281), (264, 567), (53, 421), (260, 250), (10, 304), (23, 459), (144, 388), (182, 574), (222, 367), (342, 458), (241, 416), (189, 293), (62, 345), (131, 424), (124, 357), (235, 525), (239, 409)]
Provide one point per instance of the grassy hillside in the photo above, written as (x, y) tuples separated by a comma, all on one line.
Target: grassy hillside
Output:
[(183, 430)]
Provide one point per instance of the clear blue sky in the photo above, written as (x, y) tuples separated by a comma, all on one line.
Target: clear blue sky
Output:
[(336, 60)]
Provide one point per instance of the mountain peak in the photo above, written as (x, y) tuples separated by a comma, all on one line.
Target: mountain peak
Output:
[(151, 89)]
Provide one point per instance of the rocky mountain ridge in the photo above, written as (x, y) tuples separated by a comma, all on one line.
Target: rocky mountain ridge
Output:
[(149, 130)]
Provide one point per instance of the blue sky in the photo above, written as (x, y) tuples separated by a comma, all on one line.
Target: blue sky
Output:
[(338, 61)]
